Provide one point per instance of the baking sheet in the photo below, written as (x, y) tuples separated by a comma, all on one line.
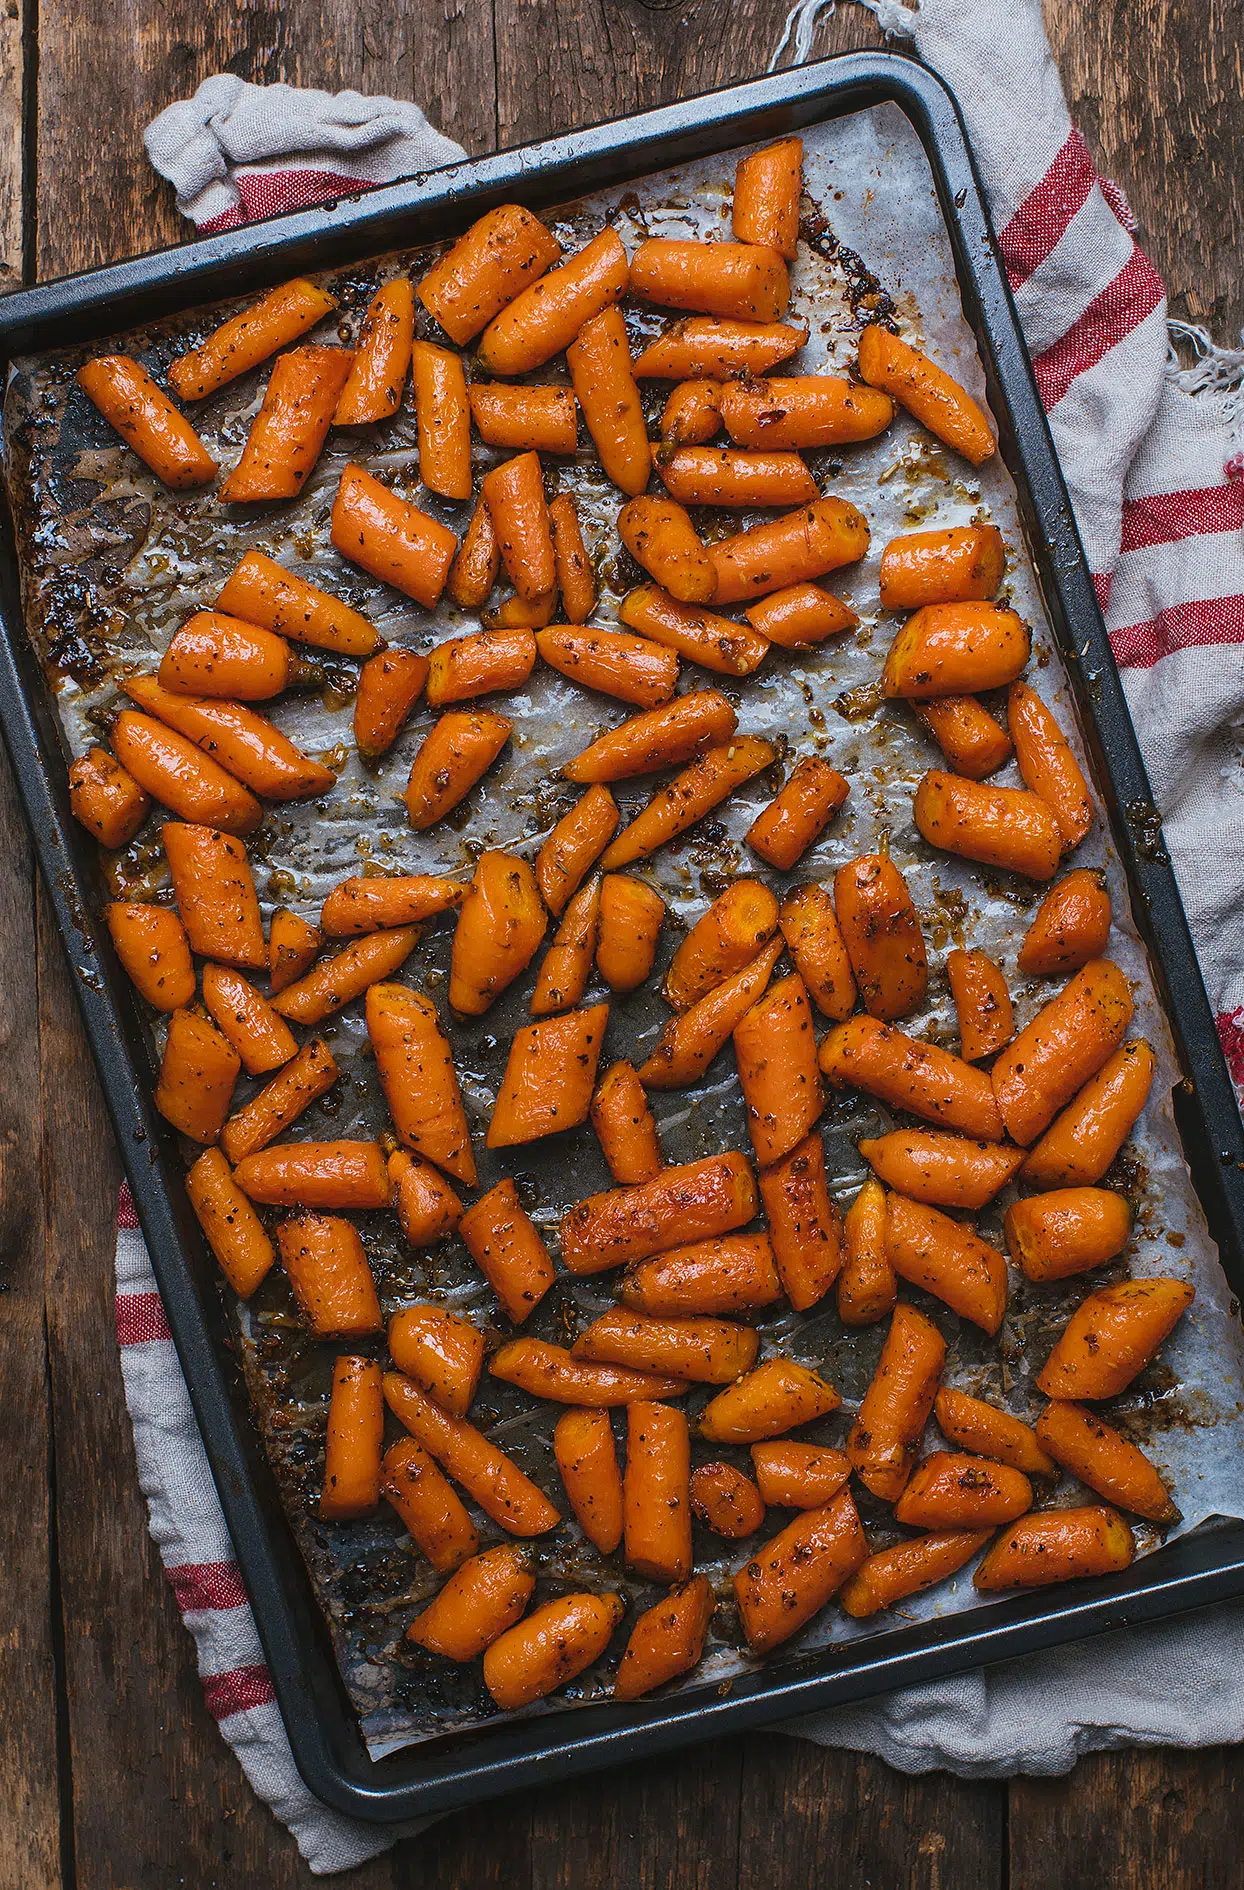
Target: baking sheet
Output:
[(113, 563)]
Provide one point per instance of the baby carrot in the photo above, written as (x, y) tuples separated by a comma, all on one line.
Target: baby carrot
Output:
[(443, 420), (1047, 764), (551, 1372), (352, 1447), (292, 948), (416, 1070), (524, 419), (707, 347), (233, 1230), (881, 930), (659, 534), (949, 1490), (497, 1484), (1056, 1545), (426, 1206), (106, 800), (517, 613), (908, 1568), (766, 197), (800, 616), (944, 1170), (263, 1040), (567, 965), (656, 738), (481, 1599), (791, 1475), (689, 797), (246, 744), (794, 820), (245, 340), (631, 917), (549, 1077), (928, 393), (545, 318), (177, 775), (803, 1223), (962, 565), (1053, 1236), (690, 1041), (1111, 1336), (804, 544), (920, 1077), (263, 592), (736, 1274), (1005, 827), (216, 655), (982, 1428), (656, 1493), (625, 1127), (955, 650), (1081, 1143), (696, 1201), (373, 389), (1067, 1042), (972, 742), (588, 1461), (692, 414), (576, 579), (485, 269), (1071, 926), (792, 1577), (666, 1640), (982, 1004), (702, 636), (731, 934), (474, 571), (706, 1351), (514, 495), (372, 904), (145, 417), (575, 843), (599, 359), (741, 281), (500, 927), (815, 942), (307, 1076), (390, 538), (456, 753), (867, 1287), (1105, 1460), (729, 475), (502, 1240), (775, 1048), (337, 981), (327, 1268), (885, 1438), (154, 951), (726, 1501), (773, 1399), (197, 1073), (479, 665), (215, 893), (316, 1175), (289, 431), (433, 1514), (441, 1352), (930, 1250), (553, 1645)]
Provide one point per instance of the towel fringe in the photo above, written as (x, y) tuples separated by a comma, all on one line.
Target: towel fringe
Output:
[(805, 16), (1218, 372)]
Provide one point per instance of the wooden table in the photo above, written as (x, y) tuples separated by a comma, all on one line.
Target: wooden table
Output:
[(111, 1772)]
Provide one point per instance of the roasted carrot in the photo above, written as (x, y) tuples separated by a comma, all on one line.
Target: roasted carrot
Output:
[(982, 1004), (1081, 1143), (245, 743), (233, 1230), (551, 1372), (599, 360), (656, 1493), (328, 1271), (885, 1438), (416, 1070), (433, 1514), (736, 1274), (573, 846), (928, 393), (805, 410), (631, 917), (426, 1206), (726, 1501), (1071, 926), (735, 476), (962, 565), (792, 1475), (306, 1077), (949, 1490), (625, 1127), (1111, 1336), (666, 1640), (792, 1577), (803, 1222), (549, 1077), (289, 431), (478, 665), (980, 1427), (702, 636), (729, 935), (456, 753), (523, 419), (502, 1240), (800, 616), (927, 1081), (656, 738), (1105, 1460), (545, 318), (696, 1201), (576, 579), (496, 1483), (867, 1287), (474, 571), (1053, 1236), (263, 1040), (740, 281), (928, 1249), (706, 1351), (1066, 1043), (766, 196), (500, 926), (373, 904), (955, 650), (245, 340), (804, 544), (292, 947), (390, 538), (106, 800), (908, 1568), (1056, 1546), (815, 942), (263, 592), (355, 1434), (197, 1073), (485, 269), (567, 965), (588, 1461), (773, 1399), (708, 347), (553, 1645), (439, 1350), (971, 740), (690, 1041), (1005, 827), (177, 775), (659, 534), (154, 951), (517, 613), (689, 797), (145, 417), (881, 930), (692, 414), (514, 495), (373, 389), (1047, 764), (328, 1175), (216, 655), (794, 820), (481, 1599), (337, 981), (775, 1048), (944, 1170), (215, 893)]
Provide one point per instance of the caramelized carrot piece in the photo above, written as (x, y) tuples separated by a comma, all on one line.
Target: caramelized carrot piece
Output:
[(575, 843), (263, 1040), (726, 1501), (426, 1206), (731, 475), (1111, 1336), (390, 538), (174, 772), (289, 431), (926, 1081), (327, 1268), (908, 1568), (307, 1076), (792, 1577), (588, 1461), (803, 410), (292, 947), (233, 1230), (545, 318), (502, 1240), (766, 197), (147, 421), (951, 1491), (706, 1351), (792, 1475), (945, 1170), (1066, 1043), (106, 800), (524, 419), (151, 943), (549, 1077), (736, 1274), (805, 544), (972, 742), (702, 636), (1005, 827), (575, 578), (552, 1646), (486, 269), (416, 1069), (980, 1427), (1047, 764), (982, 1004), (456, 753), (517, 613), (1053, 1236), (567, 965), (551, 1372), (474, 571), (695, 1201), (441, 1352), (928, 1249), (741, 281), (885, 1438), (881, 930), (216, 655), (730, 935), (215, 893), (481, 1599), (389, 686), (800, 616), (803, 1223), (1081, 1143), (709, 347), (659, 534), (316, 1175), (337, 981), (815, 942), (373, 389), (500, 926), (666, 1640), (514, 495), (1104, 1460), (656, 1493), (692, 414), (928, 393), (599, 360), (197, 1073), (433, 1514), (374, 904), (625, 1127), (355, 1434), (962, 565), (688, 1044), (689, 797), (245, 743), (1056, 1546), (443, 420), (478, 665), (657, 738), (245, 340), (631, 917), (1071, 926), (773, 1399), (867, 1288), (955, 650), (792, 822), (775, 1048), (263, 592), (488, 1476)]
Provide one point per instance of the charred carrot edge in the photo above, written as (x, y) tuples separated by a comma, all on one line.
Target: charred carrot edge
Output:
[(502, 1240), (373, 389), (815, 942), (106, 800), (656, 1493), (795, 819), (774, 1398), (885, 1437), (434, 1515), (908, 1568), (982, 1004), (549, 1077), (330, 1175), (308, 1075), (577, 840), (426, 1206), (377, 902), (263, 1040), (587, 1459), (708, 347), (231, 1227), (245, 743), (929, 1249), (497, 1484), (792, 1475), (289, 431), (927, 392), (961, 565), (355, 1432), (442, 1352), (689, 1042), (486, 268), (416, 1069), (766, 197), (741, 281), (1111, 1336), (501, 923), (726, 1501), (443, 420), (775, 1050), (481, 1599), (338, 980), (147, 421), (391, 539), (949, 1490), (327, 1269), (197, 1073), (631, 917), (263, 592), (919, 1077), (576, 579), (292, 946), (706, 1351), (174, 772), (545, 318), (154, 951), (474, 571), (1055, 1235), (729, 935), (736, 1273), (689, 797), (695, 1201), (702, 636), (599, 360), (659, 534), (1070, 927), (625, 1127), (804, 1224), (456, 753), (1080, 1144), (793, 1576), (666, 1640), (217, 655), (1055, 1546), (553, 1645), (972, 742), (551, 1372), (867, 1287), (567, 965), (944, 1170), (1047, 764), (1066, 1043), (245, 340), (660, 737), (1105, 1460), (975, 1425), (882, 933)]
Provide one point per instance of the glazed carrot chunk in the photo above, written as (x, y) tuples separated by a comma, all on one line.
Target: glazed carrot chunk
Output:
[(726, 1501), (927, 392), (1005, 827), (481, 1599), (147, 421), (945, 1170), (106, 800), (631, 669), (233, 1230), (955, 650), (815, 942), (241, 343), (735, 1274), (631, 917), (514, 495), (247, 744), (352, 1449), (803, 410), (659, 534), (524, 419), (262, 1039), (775, 1048), (885, 1438), (709, 347), (776, 1397), (307, 1076), (695, 1201), (908, 1568), (1047, 764), (930, 1250), (982, 1004), (173, 772), (1071, 926), (731, 475), (1081, 1143), (1104, 1460), (1066, 1043), (292, 946), (692, 414), (458, 751), (666, 1640), (800, 617), (741, 281), (216, 655), (791, 550), (766, 196), (799, 814), (474, 571), (625, 1127), (656, 1493), (440, 1351), (881, 930), (549, 1077), (599, 360), (328, 1271), (488, 1476), (792, 1577), (798, 1476), (263, 592), (553, 1373), (374, 904), (980, 1427), (907, 1074), (567, 965), (952, 1491), (487, 662), (958, 566), (688, 1044), (502, 1240), (416, 1070), (151, 943), (486, 269), (658, 738), (730, 935), (545, 318), (689, 797), (1056, 1235), (443, 420), (553, 1645), (1111, 1336), (197, 1073), (390, 538), (335, 982), (588, 1461), (435, 1517), (702, 636), (577, 840), (706, 1351), (289, 431), (1056, 1546), (373, 388), (388, 688), (215, 893), (501, 923), (972, 742), (426, 1206), (345, 1174)]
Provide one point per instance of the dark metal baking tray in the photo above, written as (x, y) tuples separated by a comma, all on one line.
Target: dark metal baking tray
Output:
[(1203, 1567)]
